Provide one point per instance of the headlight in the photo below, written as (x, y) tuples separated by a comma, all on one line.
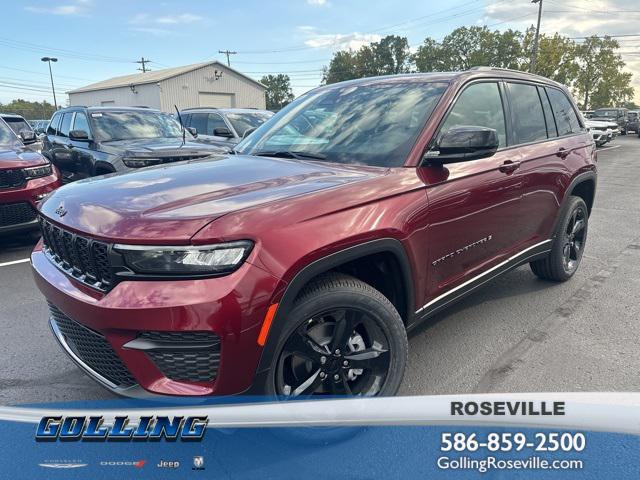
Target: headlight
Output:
[(36, 172), (141, 162), (210, 259)]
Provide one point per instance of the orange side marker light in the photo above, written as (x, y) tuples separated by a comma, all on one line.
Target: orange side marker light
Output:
[(266, 325)]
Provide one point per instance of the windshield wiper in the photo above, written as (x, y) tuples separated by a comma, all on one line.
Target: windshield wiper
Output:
[(297, 154)]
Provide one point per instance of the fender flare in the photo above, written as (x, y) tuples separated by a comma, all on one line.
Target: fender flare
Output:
[(582, 177), (100, 163), (324, 264)]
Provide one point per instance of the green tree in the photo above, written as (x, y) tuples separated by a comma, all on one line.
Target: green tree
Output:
[(556, 56), (279, 93), (389, 56), (468, 47), (600, 81), (29, 110)]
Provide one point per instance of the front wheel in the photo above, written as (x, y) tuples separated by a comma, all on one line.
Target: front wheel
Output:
[(568, 245), (344, 338)]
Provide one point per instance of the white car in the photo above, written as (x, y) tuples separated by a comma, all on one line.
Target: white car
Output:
[(602, 132)]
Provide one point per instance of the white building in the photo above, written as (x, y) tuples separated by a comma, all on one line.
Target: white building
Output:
[(209, 84)]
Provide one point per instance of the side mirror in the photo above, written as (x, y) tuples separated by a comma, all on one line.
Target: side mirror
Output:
[(27, 136), (222, 132), (248, 132), (193, 131), (461, 144), (79, 135)]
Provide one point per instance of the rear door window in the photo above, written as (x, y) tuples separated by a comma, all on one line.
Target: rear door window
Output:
[(479, 105), (563, 112), (526, 110), (52, 129), (199, 122)]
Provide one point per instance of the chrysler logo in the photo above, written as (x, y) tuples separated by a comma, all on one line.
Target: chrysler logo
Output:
[(60, 211)]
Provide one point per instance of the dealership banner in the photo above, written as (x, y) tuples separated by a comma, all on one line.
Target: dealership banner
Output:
[(573, 435)]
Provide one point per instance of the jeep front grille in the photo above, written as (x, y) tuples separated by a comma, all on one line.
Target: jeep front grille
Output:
[(93, 349), (83, 258), (12, 178)]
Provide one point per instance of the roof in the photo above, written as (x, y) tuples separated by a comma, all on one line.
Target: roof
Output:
[(154, 77), (109, 108)]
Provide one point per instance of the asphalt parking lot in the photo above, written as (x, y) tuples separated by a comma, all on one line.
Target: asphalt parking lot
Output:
[(518, 334)]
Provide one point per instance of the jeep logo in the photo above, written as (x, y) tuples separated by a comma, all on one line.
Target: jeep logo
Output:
[(61, 211)]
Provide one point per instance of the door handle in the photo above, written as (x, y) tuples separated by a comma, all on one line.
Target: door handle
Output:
[(563, 152), (509, 166)]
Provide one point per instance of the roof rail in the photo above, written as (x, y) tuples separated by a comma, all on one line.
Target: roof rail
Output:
[(199, 108), (501, 69)]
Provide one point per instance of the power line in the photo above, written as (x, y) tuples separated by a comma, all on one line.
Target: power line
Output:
[(227, 53)]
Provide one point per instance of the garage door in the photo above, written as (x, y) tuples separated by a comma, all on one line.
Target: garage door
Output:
[(217, 100)]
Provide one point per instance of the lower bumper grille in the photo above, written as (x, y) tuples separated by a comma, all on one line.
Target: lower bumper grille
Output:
[(16, 213), (11, 178), (93, 349), (185, 356)]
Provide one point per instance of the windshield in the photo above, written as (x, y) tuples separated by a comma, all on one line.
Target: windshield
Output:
[(17, 124), (242, 122), (371, 124), (110, 126), (6, 134), (606, 113)]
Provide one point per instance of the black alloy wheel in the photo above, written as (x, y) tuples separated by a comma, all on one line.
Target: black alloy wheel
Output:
[(345, 338), (574, 240)]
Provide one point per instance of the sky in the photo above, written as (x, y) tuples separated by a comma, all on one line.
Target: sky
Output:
[(97, 39)]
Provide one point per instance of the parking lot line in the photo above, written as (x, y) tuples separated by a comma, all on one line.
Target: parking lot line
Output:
[(611, 147), (14, 262)]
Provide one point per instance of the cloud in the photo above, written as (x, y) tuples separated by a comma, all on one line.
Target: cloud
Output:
[(156, 32), (318, 3), (183, 18), (78, 7), (340, 41)]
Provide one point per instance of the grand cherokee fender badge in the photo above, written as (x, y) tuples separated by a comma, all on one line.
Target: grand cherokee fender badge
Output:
[(462, 250), (61, 211)]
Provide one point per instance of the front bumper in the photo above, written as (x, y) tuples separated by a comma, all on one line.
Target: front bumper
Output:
[(148, 334), (18, 206)]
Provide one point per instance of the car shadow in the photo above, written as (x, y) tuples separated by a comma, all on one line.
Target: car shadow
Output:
[(19, 241)]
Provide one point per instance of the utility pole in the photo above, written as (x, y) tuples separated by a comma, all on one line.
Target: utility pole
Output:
[(534, 56), (143, 62), (227, 53), (53, 89)]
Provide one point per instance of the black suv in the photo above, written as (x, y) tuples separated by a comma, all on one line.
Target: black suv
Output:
[(223, 126), (87, 141)]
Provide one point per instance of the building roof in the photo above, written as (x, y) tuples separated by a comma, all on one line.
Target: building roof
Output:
[(154, 77)]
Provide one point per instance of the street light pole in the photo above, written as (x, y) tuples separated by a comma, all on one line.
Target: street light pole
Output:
[(53, 89), (534, 56)]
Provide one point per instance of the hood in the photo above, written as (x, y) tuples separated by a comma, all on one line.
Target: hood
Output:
[(17, 156), (160, 147), (170, 203), (609, 120)]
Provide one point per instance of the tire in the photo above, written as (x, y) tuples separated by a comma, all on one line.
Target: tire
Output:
[(556, 266), (315, 316)]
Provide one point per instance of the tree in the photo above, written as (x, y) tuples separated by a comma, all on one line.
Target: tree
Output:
[(279, 93), (468, 47), (556, 56), (600, 81), (29, 110), (389, 56)]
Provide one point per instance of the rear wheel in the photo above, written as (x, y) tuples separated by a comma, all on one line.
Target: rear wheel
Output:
[(344, 338), (568, 245)]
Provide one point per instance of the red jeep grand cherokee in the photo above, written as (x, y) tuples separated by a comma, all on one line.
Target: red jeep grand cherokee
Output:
[(297, 265), (25, 178)]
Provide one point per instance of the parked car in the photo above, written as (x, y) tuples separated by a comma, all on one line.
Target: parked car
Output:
[(87, 141), (601, 131), (39, 126), (634, 121), (22, 128), (587, 114), (617, 115), (25, 178), (296, 265), (224, 126)]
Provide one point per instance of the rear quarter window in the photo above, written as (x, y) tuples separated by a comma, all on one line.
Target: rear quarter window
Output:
[(563, 112)]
